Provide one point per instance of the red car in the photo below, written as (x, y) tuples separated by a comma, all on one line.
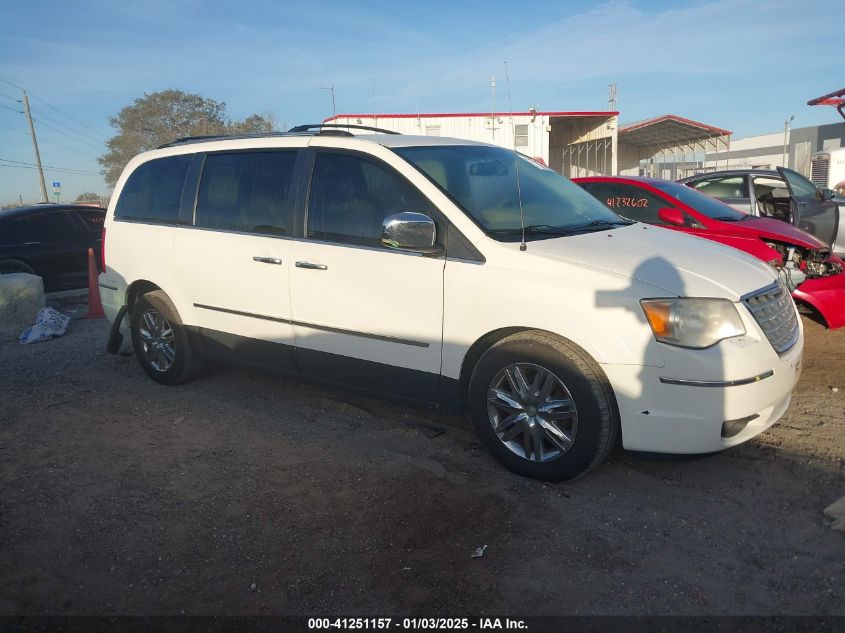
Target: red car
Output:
[(813, 274)]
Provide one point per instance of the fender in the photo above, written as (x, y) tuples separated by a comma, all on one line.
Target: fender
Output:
[(826, 295), (752, 246)]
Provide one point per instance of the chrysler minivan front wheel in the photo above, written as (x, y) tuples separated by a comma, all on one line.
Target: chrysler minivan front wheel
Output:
[(160, 340), (542, 406)]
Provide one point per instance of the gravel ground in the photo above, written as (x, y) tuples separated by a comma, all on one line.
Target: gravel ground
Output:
[(245, 492)]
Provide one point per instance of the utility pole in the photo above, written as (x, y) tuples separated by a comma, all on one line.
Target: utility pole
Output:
[(35, 146), (785, 138)]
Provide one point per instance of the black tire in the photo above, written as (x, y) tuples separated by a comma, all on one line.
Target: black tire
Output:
[(186, 362), (8, 266), (597, 414)]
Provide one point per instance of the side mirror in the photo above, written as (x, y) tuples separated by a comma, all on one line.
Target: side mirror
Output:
[(408, 231), (670, 215), (828, 194)]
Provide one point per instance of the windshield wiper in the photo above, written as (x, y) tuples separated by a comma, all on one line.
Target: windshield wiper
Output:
[(548, 229), (726, 218), (597, 224), (533, 229)]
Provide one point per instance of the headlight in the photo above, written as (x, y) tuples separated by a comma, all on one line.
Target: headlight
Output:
[(696, 323)]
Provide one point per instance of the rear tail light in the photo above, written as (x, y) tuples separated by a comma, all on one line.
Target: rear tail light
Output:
[(103, 250)]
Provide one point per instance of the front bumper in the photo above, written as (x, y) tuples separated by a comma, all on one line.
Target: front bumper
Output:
[(663, 417)]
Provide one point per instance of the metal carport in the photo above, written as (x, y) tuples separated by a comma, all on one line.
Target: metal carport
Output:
[(668, 146)]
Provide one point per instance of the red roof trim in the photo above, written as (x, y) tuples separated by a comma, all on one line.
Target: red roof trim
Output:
[(465, 114), (672, 117)]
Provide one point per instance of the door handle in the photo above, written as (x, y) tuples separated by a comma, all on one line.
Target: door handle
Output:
[(311, 266), (267, 260)]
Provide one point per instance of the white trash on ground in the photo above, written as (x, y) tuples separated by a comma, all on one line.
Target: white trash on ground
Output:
[(48, 324)]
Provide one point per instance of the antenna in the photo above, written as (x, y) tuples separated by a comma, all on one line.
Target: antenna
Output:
[(493, 106), (373, 101), (611, 102), (523, 246)]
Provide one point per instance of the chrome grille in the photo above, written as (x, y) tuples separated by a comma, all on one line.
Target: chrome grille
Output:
[(819, 169), (775, 313)]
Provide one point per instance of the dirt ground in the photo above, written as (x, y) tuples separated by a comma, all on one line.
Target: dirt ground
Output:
[(245, 492)]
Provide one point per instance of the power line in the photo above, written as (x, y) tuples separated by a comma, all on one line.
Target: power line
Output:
[(34, 166), (49, 141), (50, 105), (69, 172), (3, 105), (72, 149), (64, 114), (18, 162), (3, 94), (75, 131), (14, 129), (84, 142), (6, 81)]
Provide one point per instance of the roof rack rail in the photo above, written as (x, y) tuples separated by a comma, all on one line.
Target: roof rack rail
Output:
[(219, 137), (320, 126), (336, 129)]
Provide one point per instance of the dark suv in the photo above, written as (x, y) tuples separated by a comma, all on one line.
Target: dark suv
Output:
[(782, 194), (52, 241)]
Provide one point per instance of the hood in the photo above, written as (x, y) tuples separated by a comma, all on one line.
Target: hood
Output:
[(675, 263), (769, 228)]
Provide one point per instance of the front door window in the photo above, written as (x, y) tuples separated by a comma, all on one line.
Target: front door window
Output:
[(351, 196)]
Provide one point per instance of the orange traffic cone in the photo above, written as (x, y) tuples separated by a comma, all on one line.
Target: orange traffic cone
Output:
[(95, 306)]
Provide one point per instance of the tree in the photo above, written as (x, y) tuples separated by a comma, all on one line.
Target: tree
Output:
[(88, 197), (253, 124), (162, 117)]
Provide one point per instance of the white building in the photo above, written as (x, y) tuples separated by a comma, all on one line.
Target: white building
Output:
[(767, 150), (573, 143), (593, 143)]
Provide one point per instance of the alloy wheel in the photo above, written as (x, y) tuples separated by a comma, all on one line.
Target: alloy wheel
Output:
[(157, 342), (532, 412)]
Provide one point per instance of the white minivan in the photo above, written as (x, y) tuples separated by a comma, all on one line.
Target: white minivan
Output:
[(452, 273)]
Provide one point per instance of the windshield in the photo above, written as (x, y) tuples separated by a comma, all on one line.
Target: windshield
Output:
[(701, 202), (482, 180)]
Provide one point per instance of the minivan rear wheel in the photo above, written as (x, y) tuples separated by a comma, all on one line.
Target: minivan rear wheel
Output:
[(542, 406), (160, 340)]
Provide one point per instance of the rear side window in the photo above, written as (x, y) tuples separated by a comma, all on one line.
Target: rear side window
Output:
[(14, 231), (58, 227), (248, 192), (154, 190), (724, 187)]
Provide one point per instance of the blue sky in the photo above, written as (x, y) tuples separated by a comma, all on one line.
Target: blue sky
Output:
[(745, 66)]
